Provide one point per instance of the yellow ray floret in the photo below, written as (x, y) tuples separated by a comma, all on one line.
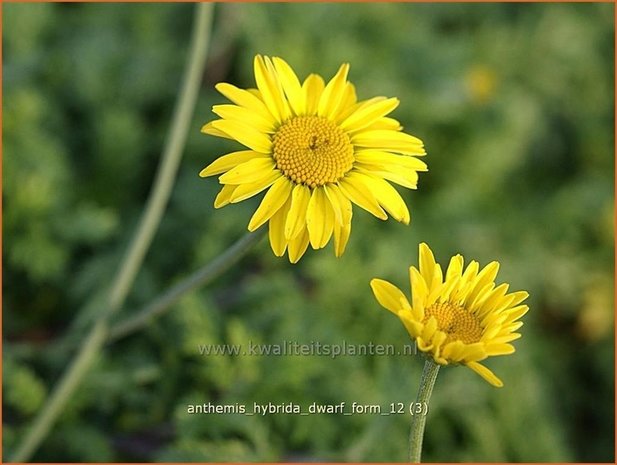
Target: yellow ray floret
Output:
[(316, 150), (459, 318)]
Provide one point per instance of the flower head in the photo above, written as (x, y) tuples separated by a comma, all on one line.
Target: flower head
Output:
[(316, 149), (461, 318)]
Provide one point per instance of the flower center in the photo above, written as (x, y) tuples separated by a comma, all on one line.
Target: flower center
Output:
[(458, 323), (312, 150)]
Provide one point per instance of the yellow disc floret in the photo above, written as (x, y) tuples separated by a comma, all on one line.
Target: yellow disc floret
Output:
[(454, 320), (312, 150)]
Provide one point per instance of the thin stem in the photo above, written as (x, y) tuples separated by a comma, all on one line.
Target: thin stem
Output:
[(164, 302), (139, 245), (202, 276), (61, 393), (418, 420), (172, 154)]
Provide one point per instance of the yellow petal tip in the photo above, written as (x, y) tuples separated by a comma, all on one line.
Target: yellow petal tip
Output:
[(205, 172)]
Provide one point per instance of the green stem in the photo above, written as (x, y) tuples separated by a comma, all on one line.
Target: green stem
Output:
[(202, 276), (62, 392), (418, 420), (142, 239), (164, 302), (172, 154)]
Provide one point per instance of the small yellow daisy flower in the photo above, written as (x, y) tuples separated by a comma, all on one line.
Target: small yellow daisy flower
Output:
[(461, 319), (316, 150)]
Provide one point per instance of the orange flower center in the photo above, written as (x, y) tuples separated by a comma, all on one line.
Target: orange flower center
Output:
[(312, 150), (457, 322)]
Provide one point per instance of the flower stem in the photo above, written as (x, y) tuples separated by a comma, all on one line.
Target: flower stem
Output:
[(170, 160), (139, 245), (202, 276), (418, 420)]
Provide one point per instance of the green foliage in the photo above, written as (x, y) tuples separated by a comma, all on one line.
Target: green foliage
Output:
[(23, 389), (515, 105)]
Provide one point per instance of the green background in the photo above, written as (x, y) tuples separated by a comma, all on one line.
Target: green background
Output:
[(515, 105)]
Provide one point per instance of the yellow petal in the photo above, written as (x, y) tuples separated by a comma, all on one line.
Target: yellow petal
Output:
[(474, 352), (505, 304), (511, 327), (438, 339), (413, 327), (387, 161), (401, 176), (298, 246), (393, 141), (427, 263), (493, 349), (385, 123), (343, 202), (224, 196), (368, 114), (249, 171), (270, 89), (477, 299), (486, 276), (312, 88), (455, 268), (276, 231), (494, 300), (229, 161), (334, 202), (505, 338), (342, 230), (357, 106), (212, 131), (246, 99), (495, 318), (419, 286), (347, 103), (490, 332), (518, 297), (291, 86), (341, 237), (453, 351), (424, 345), (245, 191), (388, 198), (515, 313), (245, 116), (429, 328), (487, 374), (388, 295), (319, 219), (333, 93), (468, 280), (285, 108), (419, 292), (274, 199), (355, 188), (245, 134), (296, 219)]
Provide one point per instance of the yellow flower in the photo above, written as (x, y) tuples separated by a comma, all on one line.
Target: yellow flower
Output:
[(481, 82), (316, 149), (460, 319)]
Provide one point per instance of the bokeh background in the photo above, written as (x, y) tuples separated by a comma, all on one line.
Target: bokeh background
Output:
[(515, 104)]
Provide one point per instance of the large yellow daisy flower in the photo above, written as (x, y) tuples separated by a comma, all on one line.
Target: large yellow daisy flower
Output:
[(316, 149), (460, 319)]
